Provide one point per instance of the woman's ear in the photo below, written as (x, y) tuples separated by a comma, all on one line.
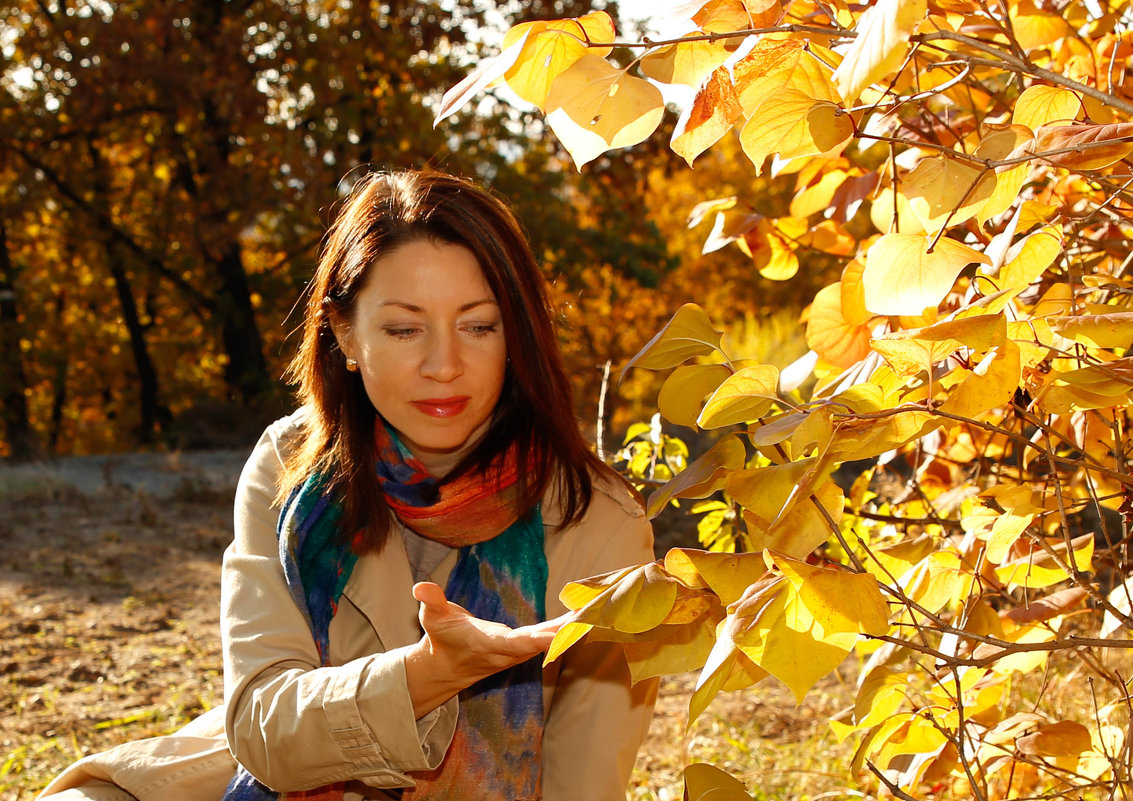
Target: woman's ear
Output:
[(342, 331)]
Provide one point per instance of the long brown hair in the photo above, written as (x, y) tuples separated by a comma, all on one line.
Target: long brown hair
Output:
[(534, 414)]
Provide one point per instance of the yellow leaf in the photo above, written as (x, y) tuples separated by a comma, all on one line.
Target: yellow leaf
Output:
[(687, 63), (818, 196), (853, 294), (1112, 330), (682, 395), (706, 783), (862, 398), (487, 72), (1036, 570), (797, 432), (830, 335), (891, 213), (688, 334), (723, 16), (671, 649), (909, 734), (1035, 29), (1057, 300), (726, 668), (980, 691), (777, 429), (702, 477), (891, 562), (1033, 213), (991, 383), (550, 48), (726, 574), (713, 112), (902, 277), (1008, 525), (801, 626), (1039, 105), (578, 594), (915, 349), (879, 48), (838, 600), (777, 64), (593, 107), (706, 207), (940, 579), (565, 637), (768, 492), (829, 236), (1022, 661), (864, 439), (946, 191), (1056, 604), (880, 695), (1084, 145), (746, 395), (1095, 387), (1034, 254), (733, 225), (792, 124), (999, 145), (764, 69), (1064, 738), (814, 434), (639, 601), (770, 247), (803, 528)]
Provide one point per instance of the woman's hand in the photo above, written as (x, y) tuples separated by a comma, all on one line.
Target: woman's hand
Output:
[(458, 649)]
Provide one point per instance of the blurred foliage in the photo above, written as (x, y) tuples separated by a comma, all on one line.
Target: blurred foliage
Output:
[(167, 170)]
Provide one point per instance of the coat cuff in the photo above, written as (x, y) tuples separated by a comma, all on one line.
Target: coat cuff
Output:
[(370, 716)]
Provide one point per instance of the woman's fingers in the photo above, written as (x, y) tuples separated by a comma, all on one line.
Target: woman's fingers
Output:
[(546, 630), (450, 626), (459, 649), (430, 594)]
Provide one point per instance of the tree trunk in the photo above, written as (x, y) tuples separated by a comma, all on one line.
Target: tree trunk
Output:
[(246, 371), (14, 418), (151, 412)]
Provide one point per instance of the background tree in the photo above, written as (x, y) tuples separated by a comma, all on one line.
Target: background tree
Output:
[(169, 168), (958, 172)]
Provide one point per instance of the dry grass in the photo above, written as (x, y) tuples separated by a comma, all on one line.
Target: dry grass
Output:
[(758, 735), (108, 620)]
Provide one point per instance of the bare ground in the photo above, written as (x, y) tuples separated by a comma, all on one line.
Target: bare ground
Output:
[(109, 588)]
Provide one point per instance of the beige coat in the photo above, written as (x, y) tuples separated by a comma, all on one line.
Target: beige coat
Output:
[(295, 725)]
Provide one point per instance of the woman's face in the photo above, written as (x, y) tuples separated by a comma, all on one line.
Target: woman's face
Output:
[(429, 341)]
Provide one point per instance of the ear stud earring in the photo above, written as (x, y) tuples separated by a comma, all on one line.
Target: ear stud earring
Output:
[(351, 366)]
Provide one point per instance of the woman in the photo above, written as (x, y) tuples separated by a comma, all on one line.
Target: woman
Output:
[(401, 540)]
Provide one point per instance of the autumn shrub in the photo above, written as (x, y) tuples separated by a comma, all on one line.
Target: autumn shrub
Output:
[(968, 166)]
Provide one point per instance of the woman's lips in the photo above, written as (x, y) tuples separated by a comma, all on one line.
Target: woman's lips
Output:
[(441, 407)]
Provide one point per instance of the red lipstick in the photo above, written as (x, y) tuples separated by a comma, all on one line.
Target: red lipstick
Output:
[(441, 407)]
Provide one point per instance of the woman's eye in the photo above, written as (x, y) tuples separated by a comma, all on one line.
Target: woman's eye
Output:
[(401, 332), (481, 329)]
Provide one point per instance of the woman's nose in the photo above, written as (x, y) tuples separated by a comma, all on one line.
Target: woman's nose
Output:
[(442, 360)]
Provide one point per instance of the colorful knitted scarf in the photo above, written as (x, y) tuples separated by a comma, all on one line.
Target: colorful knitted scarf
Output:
[(500, 575)]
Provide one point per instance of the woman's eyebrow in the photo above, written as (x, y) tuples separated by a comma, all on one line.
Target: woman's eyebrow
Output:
[(415, 308)]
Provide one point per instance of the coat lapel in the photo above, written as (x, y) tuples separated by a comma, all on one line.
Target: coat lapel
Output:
[(381, 587)]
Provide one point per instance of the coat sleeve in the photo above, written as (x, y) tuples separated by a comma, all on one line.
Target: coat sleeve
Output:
[(291, 723), (597, 718)]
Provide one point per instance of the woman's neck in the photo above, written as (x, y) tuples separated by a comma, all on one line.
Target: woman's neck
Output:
[(440, 463)]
